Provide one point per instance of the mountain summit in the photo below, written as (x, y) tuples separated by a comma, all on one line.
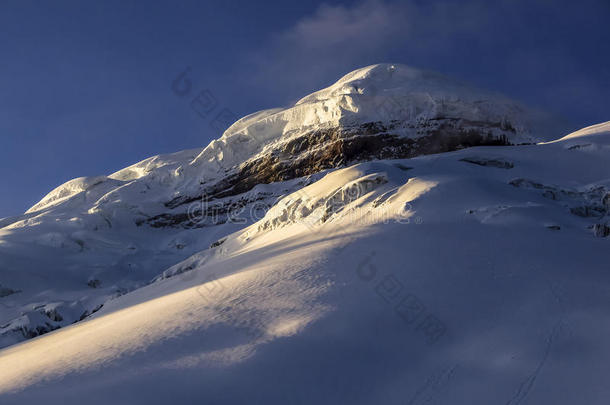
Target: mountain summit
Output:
[(403, 111)]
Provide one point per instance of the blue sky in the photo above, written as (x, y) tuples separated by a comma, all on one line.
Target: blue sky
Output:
[(86, 86)]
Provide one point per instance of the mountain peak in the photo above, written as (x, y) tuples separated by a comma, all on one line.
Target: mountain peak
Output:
[(371, 79), (405, 101)]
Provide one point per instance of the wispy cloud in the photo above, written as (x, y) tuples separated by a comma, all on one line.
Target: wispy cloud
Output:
[(336, 39)]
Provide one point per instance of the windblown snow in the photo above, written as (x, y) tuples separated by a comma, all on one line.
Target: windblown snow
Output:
[(477, 275)]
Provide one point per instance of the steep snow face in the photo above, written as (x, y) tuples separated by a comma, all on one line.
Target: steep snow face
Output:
[(477, 276)]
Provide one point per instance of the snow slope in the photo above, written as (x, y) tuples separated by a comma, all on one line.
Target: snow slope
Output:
[(597, 133), (475, 276)]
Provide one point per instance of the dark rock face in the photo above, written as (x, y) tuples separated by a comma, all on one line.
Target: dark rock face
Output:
[(218, 243), (601, 230), (330, 148), (88, 313), (203, 211), (53, 315), (29, 333), (500, 164)]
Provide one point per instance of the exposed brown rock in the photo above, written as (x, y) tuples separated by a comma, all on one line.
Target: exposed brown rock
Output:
[(336, 147)]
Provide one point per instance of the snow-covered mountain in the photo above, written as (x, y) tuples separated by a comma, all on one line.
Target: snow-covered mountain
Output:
[(95, 238), (398, 237)]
